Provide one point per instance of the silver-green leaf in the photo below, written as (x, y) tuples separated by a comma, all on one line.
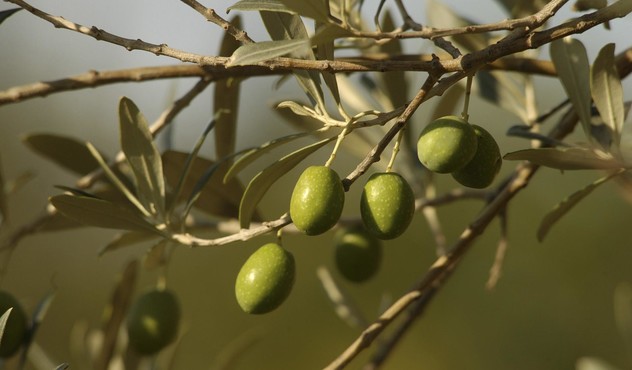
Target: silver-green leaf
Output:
[(566, 158), (315, 9), (569, 203), (607, 93), (571, 63), (65, 151), (143, 157), (259, 5), (254, 53), (260, 184)]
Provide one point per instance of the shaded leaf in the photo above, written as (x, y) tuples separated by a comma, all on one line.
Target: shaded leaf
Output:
[(261, 51), (441, 16), (226, 101), (567, 204), (156, 255), (115, 313), (395, 83), (571, 63), (607, 93), (143, 157), (260, 184), (217, 198), (328, 33), (36, 321), (100, 213), (584, 5), (522, 8), (66, 152), (315, 9), (126, 240), (259, 5), (503, 90), (325, 51), (283, 26), (448, 102), (623, 312), (565, 158), (256, 153), (593, 363), (7, 13)]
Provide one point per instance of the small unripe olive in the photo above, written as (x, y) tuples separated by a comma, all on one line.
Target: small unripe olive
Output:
[(152, 322), (357, 253), (15, 328), (446, 144), (387, 205), (482, 169), (317, 200), (265, 280)]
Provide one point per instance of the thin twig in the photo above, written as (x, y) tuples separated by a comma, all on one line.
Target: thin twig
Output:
[(211, 16), (501, 250)]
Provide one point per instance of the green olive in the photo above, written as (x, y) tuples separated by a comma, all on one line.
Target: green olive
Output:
[(16, 327), (265, 280), (387, 205), (482, 169), (152, 321), (357, 253), (317, 200), (446, 144)]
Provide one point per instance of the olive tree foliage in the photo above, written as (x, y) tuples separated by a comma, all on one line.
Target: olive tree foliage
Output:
[(152, 196)]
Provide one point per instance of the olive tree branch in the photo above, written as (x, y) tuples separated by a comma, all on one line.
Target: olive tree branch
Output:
[(211, 16), (370, 62)]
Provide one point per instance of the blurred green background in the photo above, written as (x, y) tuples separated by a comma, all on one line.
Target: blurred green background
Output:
[(553, 304)]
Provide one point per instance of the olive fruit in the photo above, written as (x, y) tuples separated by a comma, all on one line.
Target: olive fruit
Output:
[(265, 280), (152, 322), (357, 253), (482, 169), (446, 144), (317, 200), (387, 205), (15, 328)]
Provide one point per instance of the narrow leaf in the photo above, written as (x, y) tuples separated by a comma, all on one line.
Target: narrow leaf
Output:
[(565, 158), (571, 63), (100, 213), (260, 184), (261, 51), (315, 9), (395, 83), (607, 93), (256, 153), (116, 181), (3, 321), (567, 204), (7, 13), (143, 157), (36, 321), (66, 152), (593, 363), (259, 5), (283, 26), (156, 256), (125, 240), (325, 51), (226, 101)]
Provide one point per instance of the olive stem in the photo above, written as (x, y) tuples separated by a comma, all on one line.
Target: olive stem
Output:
[(396, 146), (466, 102), (341, 136)]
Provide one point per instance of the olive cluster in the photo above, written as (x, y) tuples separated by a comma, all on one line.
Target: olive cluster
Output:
[(452, 145)]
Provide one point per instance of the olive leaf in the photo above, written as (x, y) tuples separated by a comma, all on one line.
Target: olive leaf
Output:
[(395, 83), (66, 152), (255, 153), (315, 9), (259, 5), (100, 213), (226, 101), (522, 8), (156, 254), (143, 157), (571, 63), (3, 321), (607, 93), (567, 204), (125, 240), (260, 184), (623, 312), (283, 26), (40, 312), (254, 53), (574, 158), (7, 13), (593, 363), (325, 51)]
